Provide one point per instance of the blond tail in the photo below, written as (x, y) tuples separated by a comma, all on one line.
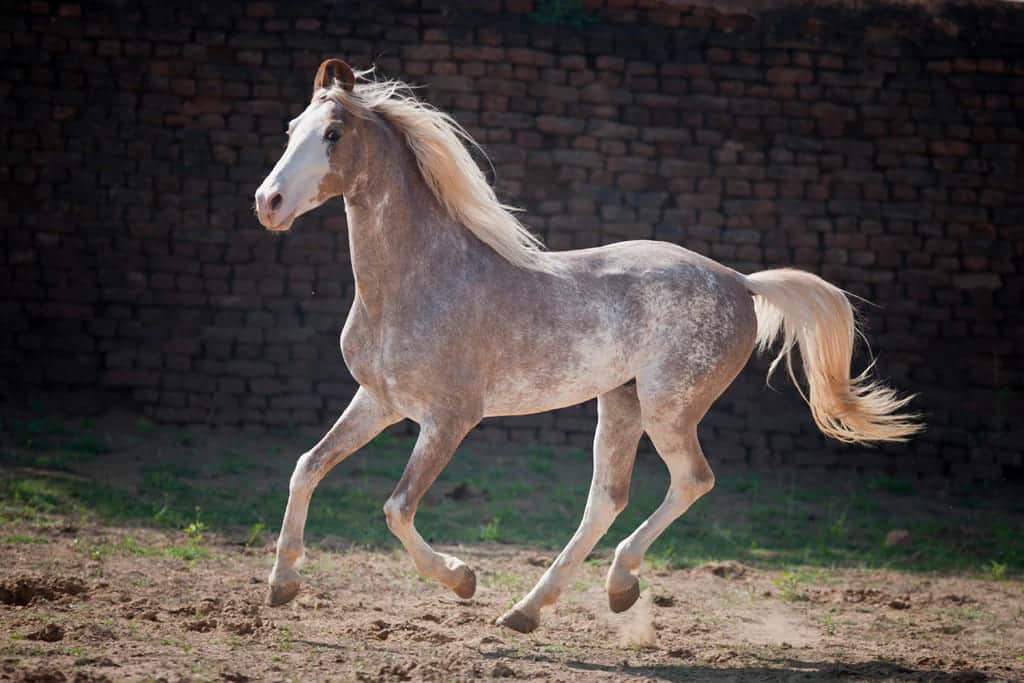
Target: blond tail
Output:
[(807, 311)]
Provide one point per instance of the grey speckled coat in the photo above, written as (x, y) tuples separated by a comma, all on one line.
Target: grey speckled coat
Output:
[(458, 315)]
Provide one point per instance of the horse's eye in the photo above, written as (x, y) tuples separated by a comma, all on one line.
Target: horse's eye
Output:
[(332, 135)]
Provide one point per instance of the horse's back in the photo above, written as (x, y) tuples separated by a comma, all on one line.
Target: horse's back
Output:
[(671, 280), (692, 319), (608, 314)]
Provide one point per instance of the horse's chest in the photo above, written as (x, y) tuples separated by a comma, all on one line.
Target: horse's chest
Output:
[(360, 347), (375, 360)]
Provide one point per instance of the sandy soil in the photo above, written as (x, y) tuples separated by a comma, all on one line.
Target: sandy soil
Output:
[(85, 607)]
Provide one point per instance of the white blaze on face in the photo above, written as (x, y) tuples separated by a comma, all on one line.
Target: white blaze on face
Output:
[(293, 187)]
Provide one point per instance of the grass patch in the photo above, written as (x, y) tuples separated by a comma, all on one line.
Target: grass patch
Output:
[(25, 539), (533, 495)]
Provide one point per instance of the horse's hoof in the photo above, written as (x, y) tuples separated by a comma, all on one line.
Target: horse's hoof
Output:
[(466, 586), (518, 621), (621, 601), (282, 593)]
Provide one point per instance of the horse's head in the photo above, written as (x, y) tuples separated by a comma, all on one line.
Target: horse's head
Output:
[(319, 146)]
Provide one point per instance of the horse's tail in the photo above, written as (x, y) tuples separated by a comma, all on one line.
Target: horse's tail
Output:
[(807, 311)]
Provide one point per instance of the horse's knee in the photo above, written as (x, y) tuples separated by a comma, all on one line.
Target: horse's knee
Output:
[(605, 506), (304, 476), (619, 498)]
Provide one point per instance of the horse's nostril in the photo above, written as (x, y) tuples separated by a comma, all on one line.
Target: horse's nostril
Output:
[(275, 201)]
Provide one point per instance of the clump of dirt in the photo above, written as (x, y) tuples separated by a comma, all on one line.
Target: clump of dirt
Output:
[(880, 598), (28, 589), (465, 491), (664, 601), (50, 633), (97, 633), (140, 609), (502, 670), (724, 570), (393, 672), (202, 625)]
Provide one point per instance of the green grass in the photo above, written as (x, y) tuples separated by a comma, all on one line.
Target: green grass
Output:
[(24, 539), (533, 496), (189, 550)]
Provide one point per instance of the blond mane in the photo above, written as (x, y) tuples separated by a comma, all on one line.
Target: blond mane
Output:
[(439, 144)]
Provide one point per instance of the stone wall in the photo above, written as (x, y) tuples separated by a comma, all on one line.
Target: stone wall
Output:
[(879, 147)]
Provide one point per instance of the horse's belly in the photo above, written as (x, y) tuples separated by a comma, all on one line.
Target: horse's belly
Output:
[(524, 393)]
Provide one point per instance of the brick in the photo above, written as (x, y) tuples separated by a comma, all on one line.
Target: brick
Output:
[(890, 171), (785, 76)]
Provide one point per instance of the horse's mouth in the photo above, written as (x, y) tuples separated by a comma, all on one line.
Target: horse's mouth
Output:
[(283, 226)]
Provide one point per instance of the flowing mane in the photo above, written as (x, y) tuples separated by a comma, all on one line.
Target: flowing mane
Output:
[(439, 144)]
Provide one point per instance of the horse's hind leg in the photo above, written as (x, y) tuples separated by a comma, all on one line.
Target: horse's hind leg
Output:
[(674, 433), (363, 419), (434, 449), (618, 432)]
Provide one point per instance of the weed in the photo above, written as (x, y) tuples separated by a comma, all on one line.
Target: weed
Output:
[(492, 530), (996, 570), (194, 531), (663, 558), (167, 517), (789, 584), (255, 535), (99, 551)]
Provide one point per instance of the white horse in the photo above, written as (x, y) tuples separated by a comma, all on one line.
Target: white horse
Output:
[(459, 315)]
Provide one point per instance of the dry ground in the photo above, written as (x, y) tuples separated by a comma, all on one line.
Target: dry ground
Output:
[(110, 573), (72, 613)]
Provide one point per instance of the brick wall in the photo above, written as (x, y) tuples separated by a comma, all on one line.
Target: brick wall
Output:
[(881, 148)]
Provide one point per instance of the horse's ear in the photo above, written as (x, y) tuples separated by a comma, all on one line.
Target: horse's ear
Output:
[(331, 70)]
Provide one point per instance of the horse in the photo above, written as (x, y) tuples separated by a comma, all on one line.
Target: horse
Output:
[(459, 313)]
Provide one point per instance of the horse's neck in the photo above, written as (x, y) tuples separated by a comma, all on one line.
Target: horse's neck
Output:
[(396, 229)]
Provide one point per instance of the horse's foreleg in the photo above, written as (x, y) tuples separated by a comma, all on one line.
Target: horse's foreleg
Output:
[(434, 448), (364, 418), (691, 477), (618, 433)]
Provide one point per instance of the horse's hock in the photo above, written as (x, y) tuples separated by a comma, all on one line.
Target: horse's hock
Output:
[(879, 148)]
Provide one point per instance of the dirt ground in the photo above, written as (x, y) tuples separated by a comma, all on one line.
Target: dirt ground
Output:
[(76, 608)]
